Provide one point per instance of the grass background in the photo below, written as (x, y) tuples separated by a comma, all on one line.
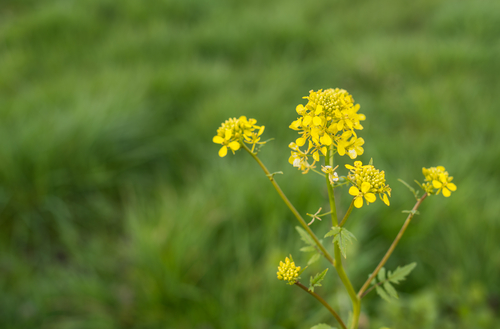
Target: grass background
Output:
[(116, 211)]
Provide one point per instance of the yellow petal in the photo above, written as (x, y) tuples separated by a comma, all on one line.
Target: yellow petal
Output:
[(319, 109), (441, 168), (326, 140), (358, 202), (317, 121), (365, 187), (300, 109), (340, 125), (223, 151), (316, 156), (228, 134), (451, 186), (353, 190), (307, 120), (341, 150), (261, 130), (300, 141), (218, 140), (323, 150), (349, 166), (234, 145), (386, 200), (446, 192), (436, 184), (370, 197)]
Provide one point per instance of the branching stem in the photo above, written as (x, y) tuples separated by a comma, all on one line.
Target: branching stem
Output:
[(291, 207), (322, 301), (392, 247)]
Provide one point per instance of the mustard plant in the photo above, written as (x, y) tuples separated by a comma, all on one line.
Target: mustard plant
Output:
[(328, 126)]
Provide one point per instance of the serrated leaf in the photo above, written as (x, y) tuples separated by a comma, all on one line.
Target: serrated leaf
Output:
[(323, 326), (401, 273), (390, 290), (308, 249), (313, 259), (305, 236), (334, 231), (341, 236), (316, 281), (381, 292), (381, 274)]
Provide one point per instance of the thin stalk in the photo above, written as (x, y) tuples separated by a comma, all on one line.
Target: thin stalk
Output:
[(325, 304), (347, 213), (356, 302), (392, 247), (291, 207)]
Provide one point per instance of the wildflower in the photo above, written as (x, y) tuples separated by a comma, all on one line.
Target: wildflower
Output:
[(287, 271), (367, 182), (332, 175), (437, 179), (329, 118), (233, 132)]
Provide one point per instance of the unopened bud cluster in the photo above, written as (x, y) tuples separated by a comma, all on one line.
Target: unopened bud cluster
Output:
[(287, 271)]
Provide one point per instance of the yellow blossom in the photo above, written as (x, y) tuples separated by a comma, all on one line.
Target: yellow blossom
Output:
[(287, 271), (330, 117), (437, 179), (233, 132), (367, 182)]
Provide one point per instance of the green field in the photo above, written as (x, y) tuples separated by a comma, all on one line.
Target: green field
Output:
[(116, 211)]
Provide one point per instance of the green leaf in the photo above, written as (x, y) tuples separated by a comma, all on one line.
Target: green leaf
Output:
[(308, 249), (333, 232), (390, 290), (305, 236), (383, 294), (313, 259), (341, 236), (401, 273), (381, 274), (322, 326), (316, 281)]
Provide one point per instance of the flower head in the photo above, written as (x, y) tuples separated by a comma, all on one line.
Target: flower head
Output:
[(437, 179), (367, 181), (233, 132), (287, 271), (330, 117)]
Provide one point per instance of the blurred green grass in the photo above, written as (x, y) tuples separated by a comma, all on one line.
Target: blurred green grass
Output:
[(116, 211)]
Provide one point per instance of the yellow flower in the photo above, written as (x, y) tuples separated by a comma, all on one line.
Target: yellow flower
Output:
[(367, 181), (287, 271), (437, 179), (233, 132), (329, 118)]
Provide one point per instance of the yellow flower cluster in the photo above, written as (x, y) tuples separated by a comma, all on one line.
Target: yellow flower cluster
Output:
[(233, 132), (437, 179), (329, 118), (288, 272), (367, 181)]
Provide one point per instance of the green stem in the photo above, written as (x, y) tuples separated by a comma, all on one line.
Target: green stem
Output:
[(392, 247), (291, 207), (322, 301), (356, 302), (347, 213)]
